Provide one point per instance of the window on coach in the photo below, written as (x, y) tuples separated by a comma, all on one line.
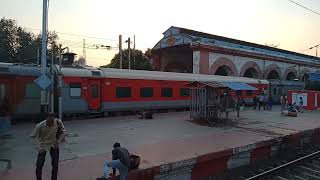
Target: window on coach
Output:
[(2, 91), (123, 92), (75, 90), (166, 92), (146, 92), (185, 92)]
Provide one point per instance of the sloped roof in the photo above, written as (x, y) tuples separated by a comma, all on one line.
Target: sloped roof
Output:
[(199, 84), (236, 41)]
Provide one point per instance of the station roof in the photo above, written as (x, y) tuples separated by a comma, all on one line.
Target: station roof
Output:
[(177, 36), (212, 84), (238, 86)]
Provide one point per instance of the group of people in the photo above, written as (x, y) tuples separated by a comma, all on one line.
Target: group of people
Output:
[(291, 107), (262, 101), (50, 132), (283, 102)]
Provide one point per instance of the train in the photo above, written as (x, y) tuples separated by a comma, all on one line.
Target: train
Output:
[(105, 90)]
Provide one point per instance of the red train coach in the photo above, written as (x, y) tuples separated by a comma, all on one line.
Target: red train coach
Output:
[(107, 90)]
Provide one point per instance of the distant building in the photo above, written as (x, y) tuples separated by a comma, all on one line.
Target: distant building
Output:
[(185, 50)]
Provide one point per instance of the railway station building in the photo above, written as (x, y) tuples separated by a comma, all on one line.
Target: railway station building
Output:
[(189, 51)]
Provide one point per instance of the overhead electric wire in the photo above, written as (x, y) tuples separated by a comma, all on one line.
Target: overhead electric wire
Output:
[(304, 7), (310, 48), (79, 35)]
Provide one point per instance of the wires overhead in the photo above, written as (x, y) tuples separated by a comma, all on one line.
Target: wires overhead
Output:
[(78, 35), (315, 46), (304, 7)]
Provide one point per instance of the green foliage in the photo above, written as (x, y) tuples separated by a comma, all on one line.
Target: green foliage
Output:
[(141, 61), (18, 45)]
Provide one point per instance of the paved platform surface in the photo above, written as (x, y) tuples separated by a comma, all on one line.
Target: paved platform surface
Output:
[(169, 137)]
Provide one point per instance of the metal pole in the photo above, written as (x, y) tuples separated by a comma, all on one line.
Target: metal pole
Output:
[(134, 51), (38, 56), (238, 104), (120, 50), (43, 107), (84, 48), (60, 87), (129, 58), (52, 82)]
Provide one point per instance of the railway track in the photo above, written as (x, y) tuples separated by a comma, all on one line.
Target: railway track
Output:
[(306, 167), (299, 163)]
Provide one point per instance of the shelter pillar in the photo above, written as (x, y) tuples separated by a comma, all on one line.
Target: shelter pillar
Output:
[(200, 62)]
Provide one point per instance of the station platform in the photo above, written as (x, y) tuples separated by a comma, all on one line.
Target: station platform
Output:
[(170, 145)]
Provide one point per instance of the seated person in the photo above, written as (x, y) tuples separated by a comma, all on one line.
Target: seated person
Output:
[(146, 115), (120, 161)]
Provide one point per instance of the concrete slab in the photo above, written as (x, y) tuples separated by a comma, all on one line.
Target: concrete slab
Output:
[(166, 139)]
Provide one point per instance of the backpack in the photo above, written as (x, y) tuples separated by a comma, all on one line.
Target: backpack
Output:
[(134, 161)]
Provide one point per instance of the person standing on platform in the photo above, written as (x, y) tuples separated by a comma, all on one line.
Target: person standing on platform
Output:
[(285, 100), (301, 105), (255, 101), (265, 102), (270, 101), (281, 103), (48, 134), (261, 101)]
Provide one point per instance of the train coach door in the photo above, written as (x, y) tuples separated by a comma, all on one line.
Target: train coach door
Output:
[(94, 94)]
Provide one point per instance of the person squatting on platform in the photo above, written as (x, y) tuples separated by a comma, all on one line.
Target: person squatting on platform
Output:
[(120, 161), (48, 134)]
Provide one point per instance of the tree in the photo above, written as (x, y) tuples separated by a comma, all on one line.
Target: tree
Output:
[(8, 36), (53, 46), (17, 45), (141, 61)]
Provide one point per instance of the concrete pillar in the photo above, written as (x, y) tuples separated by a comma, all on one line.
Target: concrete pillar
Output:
[(196, 62), (204, 62)]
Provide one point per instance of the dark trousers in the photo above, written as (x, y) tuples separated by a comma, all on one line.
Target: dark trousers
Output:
[(262, 104), (54, 153)]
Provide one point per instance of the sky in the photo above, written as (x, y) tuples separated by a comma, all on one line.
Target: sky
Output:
[(277, 22)]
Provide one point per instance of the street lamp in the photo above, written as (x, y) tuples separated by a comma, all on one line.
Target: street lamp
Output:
[(316, 46)]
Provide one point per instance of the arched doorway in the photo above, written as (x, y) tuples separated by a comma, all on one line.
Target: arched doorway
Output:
[(251, 73), (224, 71), (251, 69), (223, 67), (273, 74), (305, 77), (291, 76)]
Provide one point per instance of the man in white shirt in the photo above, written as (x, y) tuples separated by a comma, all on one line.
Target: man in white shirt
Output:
[(48, 135)]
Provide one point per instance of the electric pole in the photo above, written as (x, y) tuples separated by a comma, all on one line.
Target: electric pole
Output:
[(134, 51), (52, 78), (38, 56), (84, 53), (43, 107), (120, 50), (129, 58), (316, 47)]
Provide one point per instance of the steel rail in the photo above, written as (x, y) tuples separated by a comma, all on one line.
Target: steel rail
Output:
[(282, 166)]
